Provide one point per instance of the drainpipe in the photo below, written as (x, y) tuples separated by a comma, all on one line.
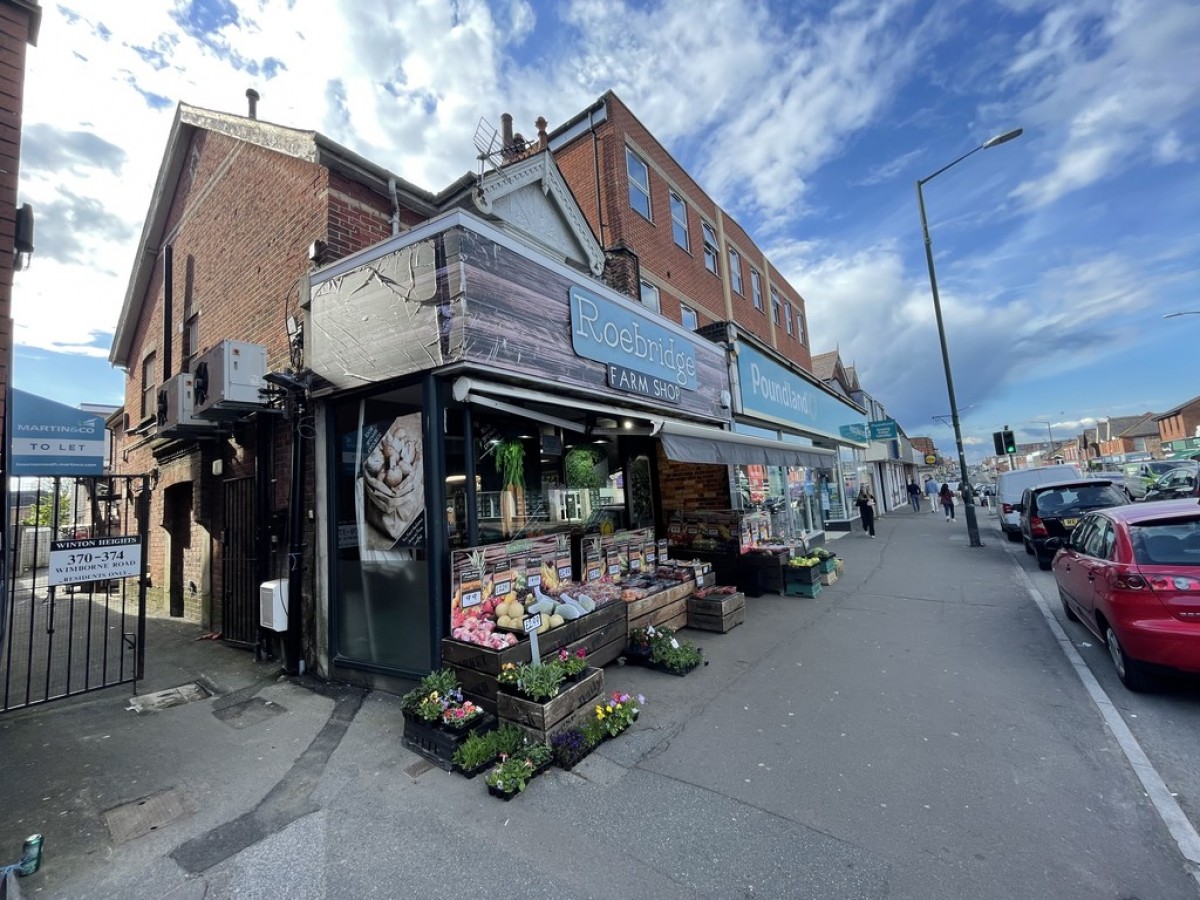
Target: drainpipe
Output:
[(395, 205)]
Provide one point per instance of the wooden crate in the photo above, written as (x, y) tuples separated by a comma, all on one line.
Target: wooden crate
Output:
[(667, 607), (829, 579), (542, 720), (603, 632), (717, 613), (801, 575)]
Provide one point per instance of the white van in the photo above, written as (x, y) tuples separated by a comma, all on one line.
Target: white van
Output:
[(1011, 485)]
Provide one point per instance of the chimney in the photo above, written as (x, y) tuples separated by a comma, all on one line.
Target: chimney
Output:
[(506, 135), (252, 96)]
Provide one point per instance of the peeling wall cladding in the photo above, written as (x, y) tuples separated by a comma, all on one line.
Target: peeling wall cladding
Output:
[(379, 320)]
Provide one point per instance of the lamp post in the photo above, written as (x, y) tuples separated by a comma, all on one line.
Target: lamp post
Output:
[(968, 500), (1185, 312), (1049, 449)]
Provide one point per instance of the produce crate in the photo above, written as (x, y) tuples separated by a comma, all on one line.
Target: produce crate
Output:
[(716, 613), (541, 720), (802, 574), (840, 567), (828, 566), (667, 607), (798, 589), (761, 573), (829, 578), (438, 744), (602, 632)]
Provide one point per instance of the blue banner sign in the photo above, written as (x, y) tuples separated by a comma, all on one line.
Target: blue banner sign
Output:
[(51, 438), (769, 391), (884, 430), (609, 333)]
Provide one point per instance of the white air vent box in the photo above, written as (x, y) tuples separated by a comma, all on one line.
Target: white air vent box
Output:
[(229, 378), (175, 408), (272, 604)]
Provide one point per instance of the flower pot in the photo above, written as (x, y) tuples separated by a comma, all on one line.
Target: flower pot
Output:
[(478, 770), (503, 795)]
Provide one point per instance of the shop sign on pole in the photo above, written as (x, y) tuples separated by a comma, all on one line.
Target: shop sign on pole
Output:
[(884, 430)]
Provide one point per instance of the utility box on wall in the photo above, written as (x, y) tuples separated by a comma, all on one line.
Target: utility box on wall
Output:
[(272, 604), (229, 379), (176, 407)]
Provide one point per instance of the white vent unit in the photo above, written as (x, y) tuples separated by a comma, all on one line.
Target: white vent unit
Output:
[(175, 408), (272, 604), (229, 378)]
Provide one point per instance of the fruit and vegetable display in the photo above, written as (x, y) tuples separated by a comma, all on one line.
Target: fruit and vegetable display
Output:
[(724, 590), (804, 562)]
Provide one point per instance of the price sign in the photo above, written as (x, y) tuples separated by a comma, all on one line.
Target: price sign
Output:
[(470, 589), (635, 563), (533, 623), (533, 572)]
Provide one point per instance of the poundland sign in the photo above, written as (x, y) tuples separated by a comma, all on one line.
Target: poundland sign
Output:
[(51, 438)]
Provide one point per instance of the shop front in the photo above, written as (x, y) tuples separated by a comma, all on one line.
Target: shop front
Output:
[(485, 409), (814, 492)]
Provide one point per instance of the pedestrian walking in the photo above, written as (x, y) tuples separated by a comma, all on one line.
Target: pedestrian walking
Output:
[(947, 497), (866, 510), (931, 491), (914, 495)]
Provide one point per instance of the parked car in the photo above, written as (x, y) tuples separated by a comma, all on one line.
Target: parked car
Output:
[(1142, 475), (1053, 510), (1127, 483), (1131, 575), (1010, 486), (1181, 481)]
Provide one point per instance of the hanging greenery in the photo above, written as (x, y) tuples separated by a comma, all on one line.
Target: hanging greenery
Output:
[(581, 468), (510, 463)]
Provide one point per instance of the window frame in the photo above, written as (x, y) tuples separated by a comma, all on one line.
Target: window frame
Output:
[(735, 272), (149, 385), (645, 285), (756, 290), (712, 260), (801, 327), (677, 224), (787, 317), (642, 189), (776, 308), (684, 309)]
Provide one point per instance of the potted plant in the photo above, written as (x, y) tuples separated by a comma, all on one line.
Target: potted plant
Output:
[(618, 712), (507, 678), (540, 681), (569, 746), (511, 776), (441, 682), (574, 664), (463, 714), (476, 753)]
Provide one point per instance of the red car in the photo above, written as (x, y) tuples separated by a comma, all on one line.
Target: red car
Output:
[(1131, 575)]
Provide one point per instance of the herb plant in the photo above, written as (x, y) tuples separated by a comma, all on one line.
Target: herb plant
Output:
[(477, 750), (540, 682)]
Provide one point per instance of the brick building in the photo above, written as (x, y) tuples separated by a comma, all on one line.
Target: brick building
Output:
[(19, 23), (1179, 429)]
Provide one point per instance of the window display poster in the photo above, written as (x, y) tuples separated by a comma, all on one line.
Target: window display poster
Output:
[(392, 484), (500, 572)]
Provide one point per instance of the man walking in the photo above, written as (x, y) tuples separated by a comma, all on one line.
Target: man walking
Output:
[(931, 491), (914, 494)]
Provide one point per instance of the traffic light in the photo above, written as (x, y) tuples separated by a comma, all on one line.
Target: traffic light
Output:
[(1010, 443), (998, 441)]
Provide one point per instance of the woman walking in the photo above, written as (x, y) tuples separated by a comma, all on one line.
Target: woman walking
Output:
[(947, 497), (866, 509)]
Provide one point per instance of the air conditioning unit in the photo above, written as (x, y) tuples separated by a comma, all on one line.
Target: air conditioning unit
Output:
[(272, 604), (175, 408), (229, 378)]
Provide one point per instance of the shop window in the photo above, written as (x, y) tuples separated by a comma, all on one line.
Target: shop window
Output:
[(380, 607), (756, 290), (679, 224), (639, 183)]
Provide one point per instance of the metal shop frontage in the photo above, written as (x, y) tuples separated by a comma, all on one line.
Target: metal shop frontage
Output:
[(487, 409)]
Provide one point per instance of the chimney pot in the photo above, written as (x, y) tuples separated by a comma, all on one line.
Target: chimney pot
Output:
[(543, 138), (252, 97), (506, 132)]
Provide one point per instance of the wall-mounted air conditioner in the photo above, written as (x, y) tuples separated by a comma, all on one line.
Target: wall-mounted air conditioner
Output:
[(175, 408), (229, 378), (272, 604)]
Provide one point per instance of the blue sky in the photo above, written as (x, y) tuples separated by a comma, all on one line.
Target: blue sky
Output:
[(1057, 254)]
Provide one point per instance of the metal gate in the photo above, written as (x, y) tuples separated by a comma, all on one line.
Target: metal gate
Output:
[(75, 600), (239, 563)]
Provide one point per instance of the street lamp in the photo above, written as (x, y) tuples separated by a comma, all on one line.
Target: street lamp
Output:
[(968, 500), (1050, 449), (1186, 312)]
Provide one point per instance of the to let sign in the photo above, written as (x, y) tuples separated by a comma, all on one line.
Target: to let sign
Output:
[(95, 559)]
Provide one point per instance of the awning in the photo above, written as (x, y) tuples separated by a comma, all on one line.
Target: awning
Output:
[(683, 442)]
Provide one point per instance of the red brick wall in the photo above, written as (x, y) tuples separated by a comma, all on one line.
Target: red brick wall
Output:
[(691, 485), (240, 224), (1182, 425), (680, 275)]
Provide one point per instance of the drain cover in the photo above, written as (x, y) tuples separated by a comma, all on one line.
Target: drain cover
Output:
[(419, 768), (176, 696), (248, 712), (132, 820)]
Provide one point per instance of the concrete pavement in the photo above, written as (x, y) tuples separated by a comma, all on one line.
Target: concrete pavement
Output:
[(913, 732)]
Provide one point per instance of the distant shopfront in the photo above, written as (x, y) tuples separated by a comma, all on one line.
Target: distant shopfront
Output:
[(774, 400)]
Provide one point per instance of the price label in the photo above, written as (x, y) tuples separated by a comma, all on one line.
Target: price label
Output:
[(533, 572), (564, 573), (534, 579), (593, 573), (533, 623), (635, 564), (502, 588), (470, 589), (471, 598), (674, 644), (614, 569)]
